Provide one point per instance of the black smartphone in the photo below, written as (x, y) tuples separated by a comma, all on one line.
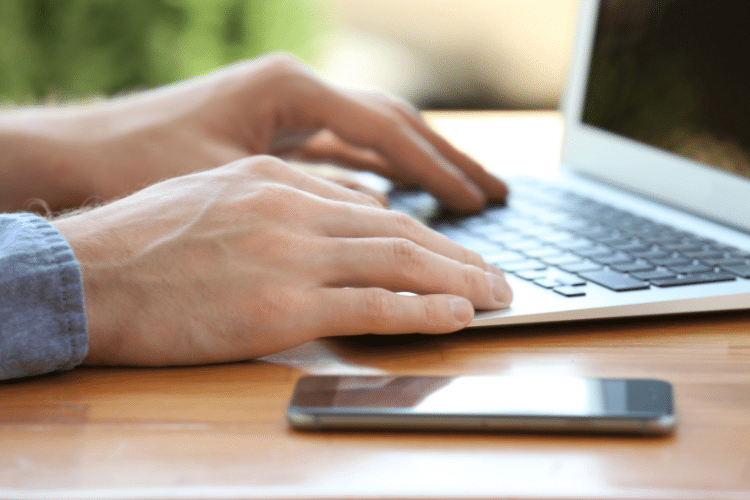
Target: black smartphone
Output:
[(492, 403)]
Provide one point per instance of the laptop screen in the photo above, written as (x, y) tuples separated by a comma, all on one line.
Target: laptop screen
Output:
[(674, 74)]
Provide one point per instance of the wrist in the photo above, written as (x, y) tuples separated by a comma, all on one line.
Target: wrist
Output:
[(106, 301)]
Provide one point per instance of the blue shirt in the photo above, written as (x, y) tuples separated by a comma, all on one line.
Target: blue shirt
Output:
[(42, 316)]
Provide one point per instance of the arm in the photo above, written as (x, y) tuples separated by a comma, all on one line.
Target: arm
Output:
[(253, 257), (272, 105), (39, 166)]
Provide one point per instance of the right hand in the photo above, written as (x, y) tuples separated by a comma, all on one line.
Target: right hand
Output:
[(256, 257)]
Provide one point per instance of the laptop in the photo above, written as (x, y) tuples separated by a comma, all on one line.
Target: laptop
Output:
[(649, 213)]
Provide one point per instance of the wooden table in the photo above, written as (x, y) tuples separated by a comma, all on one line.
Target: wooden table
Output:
[(220, 431)]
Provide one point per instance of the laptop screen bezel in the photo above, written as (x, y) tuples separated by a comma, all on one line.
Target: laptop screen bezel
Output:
[(634, 165)]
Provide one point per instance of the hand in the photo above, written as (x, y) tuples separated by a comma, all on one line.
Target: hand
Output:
[(273, 105), (255, 257)]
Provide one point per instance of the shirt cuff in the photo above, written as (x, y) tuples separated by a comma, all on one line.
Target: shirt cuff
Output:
[(42, 316)]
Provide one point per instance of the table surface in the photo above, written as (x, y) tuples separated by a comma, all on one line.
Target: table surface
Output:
[(220, 431)]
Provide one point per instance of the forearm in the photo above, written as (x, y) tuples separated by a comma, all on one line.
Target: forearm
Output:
[(38, 162)]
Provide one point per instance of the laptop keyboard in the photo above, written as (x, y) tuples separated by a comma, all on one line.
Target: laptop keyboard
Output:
[(562, 241)]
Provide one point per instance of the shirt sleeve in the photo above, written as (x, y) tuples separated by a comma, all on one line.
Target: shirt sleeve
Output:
[(42, 316)]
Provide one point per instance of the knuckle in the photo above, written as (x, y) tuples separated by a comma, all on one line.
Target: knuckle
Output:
[(280, 306), (272, 199), (433, 313), (475, 281), (281, 63), (268, 167), (473, 258), (394, 102), (378, 306), (406, 256), (286, 75), (437, 315), (407, 227), (369, 200)]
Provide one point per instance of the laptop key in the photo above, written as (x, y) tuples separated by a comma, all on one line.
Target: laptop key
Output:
[(650, 253), (579, 267), (631, 245), (691, 269), (615, 258), (542, 251), (635, 266), (556, 237), (498, 258), (594, 251), (743, 270), (562, 259), (532, 275), (470, 241), (503, 236), (523, 265), (477, 225), (654, 275), (571, 291), (694, 279), (724, 261), (547, 283), (551, 278), (674, 260), (618, 282), (704, 254), (683, 246), (574, 243)]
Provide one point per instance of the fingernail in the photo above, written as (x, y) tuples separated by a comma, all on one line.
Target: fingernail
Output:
[(462, 309), (500, 289)]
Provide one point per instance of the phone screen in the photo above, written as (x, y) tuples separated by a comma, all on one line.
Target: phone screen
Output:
[(619, 404)]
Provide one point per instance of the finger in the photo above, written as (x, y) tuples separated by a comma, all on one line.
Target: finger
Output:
[(344, 220), (271, 168), (327, 147), (358, 311), (414, 160), (410, 154), (495, 189), (401, 265), (356, 186)]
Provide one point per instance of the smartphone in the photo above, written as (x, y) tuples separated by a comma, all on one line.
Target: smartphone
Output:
[(490, 403)]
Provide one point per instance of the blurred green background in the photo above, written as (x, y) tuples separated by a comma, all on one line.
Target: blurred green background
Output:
[(69, 49)]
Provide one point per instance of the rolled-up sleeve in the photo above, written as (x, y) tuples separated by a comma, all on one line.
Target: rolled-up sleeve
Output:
[(42, 316)]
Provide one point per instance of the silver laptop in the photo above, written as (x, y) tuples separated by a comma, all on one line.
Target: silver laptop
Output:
[(650, 213)]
